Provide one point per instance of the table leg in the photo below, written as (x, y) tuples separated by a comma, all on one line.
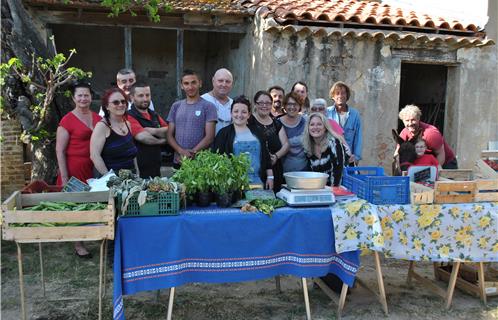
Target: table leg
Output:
[(42, 277), (342, 300), (101, 271), (277, 284), (480, 277), (21, 280), (411, 267), (306, 299), (380, 281), (451, 284), (105, 268), (170, 302)]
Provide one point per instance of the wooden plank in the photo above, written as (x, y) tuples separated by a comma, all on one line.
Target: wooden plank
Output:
[(484, 171), (487, 190), (128, 47), (421, 194), (429, 284), (78, 197), (11, 202), (460, 283), (457, 174), (454, 198), (59, 234), (60, 216), (489, 153), (179, 62), (455, 186)]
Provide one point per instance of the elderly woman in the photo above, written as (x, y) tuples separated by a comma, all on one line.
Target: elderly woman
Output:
[(73, 143), (238, 138), (73, 137), (294, 122), (111, 145), (410, 115), (274, 134), (323, 148)]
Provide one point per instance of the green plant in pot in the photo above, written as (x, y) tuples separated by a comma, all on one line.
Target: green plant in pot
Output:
[(187, 174), (223, 180), (239, 173)]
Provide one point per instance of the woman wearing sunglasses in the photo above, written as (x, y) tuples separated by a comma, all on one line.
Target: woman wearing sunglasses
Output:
[(274, 134), (112, 145)]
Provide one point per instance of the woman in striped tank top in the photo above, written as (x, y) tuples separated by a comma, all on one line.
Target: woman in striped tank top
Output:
[(112, 145)]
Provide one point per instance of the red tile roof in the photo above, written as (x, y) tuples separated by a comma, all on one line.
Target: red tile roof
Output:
[(195, 6), (354, 12)]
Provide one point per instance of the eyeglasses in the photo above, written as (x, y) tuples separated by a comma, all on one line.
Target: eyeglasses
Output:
[(317, 108), (263, 104), (291, 104), (118, 102)]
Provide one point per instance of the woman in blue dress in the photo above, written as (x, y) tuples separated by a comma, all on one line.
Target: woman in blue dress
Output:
[(238, 138)]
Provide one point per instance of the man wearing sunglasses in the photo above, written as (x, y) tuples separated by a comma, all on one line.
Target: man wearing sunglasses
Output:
[(148, 129)]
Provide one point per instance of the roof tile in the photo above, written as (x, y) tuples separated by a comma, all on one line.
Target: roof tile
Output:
[(355, 11)]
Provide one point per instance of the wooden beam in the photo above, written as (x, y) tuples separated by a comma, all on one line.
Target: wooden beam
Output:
[(170, 22), (179, 62), (128, 50)]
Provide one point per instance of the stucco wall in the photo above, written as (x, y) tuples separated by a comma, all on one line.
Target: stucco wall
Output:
[(372, 69), (475, 102)]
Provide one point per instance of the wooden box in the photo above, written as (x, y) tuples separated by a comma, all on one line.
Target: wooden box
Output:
[(100, 222), (468, 278), (421, 194), (455, 191)]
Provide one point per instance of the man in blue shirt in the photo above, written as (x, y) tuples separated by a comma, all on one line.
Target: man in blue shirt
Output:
[(348, 118)]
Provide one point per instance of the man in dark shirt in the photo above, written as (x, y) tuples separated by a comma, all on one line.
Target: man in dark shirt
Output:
[(143, 119)]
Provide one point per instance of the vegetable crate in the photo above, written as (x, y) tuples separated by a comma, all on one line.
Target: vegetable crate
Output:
[(156, 204), (102, 221), (420, 194), (371, 184), (100, 227)]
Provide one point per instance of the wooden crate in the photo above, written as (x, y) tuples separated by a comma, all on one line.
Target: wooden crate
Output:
[(455, 191), (487, 190), (456, 174), (101, 227), (468, 278), (421, 194)]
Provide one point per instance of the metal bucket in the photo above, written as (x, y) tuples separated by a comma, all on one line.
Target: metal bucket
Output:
[(306, 180)]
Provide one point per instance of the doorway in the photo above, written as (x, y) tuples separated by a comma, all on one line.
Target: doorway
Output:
[(424, 85)]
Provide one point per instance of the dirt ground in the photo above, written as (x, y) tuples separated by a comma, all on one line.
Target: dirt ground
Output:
[(71, 286)]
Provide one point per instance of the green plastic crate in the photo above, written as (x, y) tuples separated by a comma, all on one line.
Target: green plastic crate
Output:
[(157, 204)]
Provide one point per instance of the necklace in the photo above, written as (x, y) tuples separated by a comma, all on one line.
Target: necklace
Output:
[(119, 128)]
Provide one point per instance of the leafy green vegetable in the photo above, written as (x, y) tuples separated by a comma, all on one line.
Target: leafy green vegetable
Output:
[(267, 205)]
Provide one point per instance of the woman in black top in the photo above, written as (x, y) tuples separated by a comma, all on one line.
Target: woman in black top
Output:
[(274, 134), (111, 144), (323, 148), (238, 138)]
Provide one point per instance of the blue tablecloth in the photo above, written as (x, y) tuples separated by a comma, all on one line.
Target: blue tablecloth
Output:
[(225, 245)]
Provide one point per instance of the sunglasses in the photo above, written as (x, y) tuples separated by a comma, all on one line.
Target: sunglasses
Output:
[(118, 102)]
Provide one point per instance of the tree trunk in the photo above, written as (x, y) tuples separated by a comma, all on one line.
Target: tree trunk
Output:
[(21, 39), (44, 164)]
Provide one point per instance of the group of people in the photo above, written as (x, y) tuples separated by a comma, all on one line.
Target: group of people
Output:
[(281, 132)]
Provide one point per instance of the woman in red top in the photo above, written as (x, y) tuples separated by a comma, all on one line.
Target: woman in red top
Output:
[(73, 137), (73, 144)]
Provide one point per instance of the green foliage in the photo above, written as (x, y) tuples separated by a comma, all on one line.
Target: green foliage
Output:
[(151, 7), (43, 77), (210, 171)]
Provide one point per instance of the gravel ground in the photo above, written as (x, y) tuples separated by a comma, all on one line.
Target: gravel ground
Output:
[(71, 285)]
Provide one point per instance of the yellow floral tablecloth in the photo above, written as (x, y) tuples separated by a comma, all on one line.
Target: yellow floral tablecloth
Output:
[(448, 232)]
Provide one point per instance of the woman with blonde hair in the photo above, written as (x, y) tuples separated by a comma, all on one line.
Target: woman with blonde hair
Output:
[(323, 148)]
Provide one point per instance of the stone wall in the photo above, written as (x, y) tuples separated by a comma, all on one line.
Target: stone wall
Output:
[(372, 68), (12, 168)]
